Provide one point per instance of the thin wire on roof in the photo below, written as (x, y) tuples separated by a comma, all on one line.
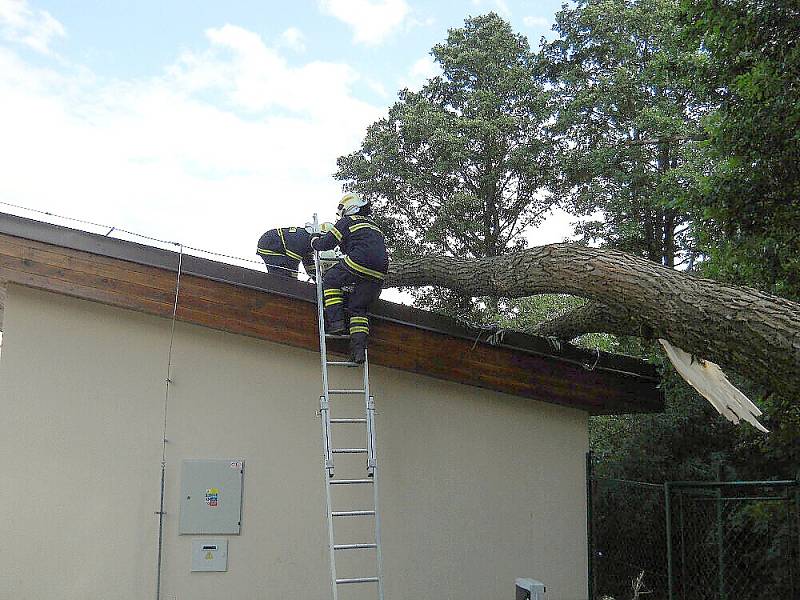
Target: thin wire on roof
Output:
[(112, 228)]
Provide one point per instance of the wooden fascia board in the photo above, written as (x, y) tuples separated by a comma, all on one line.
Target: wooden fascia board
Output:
[(276, 318)]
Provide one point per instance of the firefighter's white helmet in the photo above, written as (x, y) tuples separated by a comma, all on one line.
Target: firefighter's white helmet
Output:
[(350, 204)]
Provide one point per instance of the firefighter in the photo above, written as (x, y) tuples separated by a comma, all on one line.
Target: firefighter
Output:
[(284, 248), (364, 266)]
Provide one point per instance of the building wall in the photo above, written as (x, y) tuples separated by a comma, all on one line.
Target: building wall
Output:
[(477, 487)]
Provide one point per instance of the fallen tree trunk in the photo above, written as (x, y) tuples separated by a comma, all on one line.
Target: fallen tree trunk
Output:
[(746, 331)]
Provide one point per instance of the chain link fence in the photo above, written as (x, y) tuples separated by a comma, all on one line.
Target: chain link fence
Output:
[(734, 540), (627, 539), (693, 540)]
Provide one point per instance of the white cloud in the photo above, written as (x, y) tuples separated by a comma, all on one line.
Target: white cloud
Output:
[(377, 87), (420, 71), (501, 6), (533, 21), (293, 39), (34, 28), (227, 143), (372, 21), (425, 67)]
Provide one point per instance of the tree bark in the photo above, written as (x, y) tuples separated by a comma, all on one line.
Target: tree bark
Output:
[(594, 317), (746, 331)]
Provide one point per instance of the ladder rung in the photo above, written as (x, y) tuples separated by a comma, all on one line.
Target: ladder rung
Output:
[(349, 450), (354, 546), (350, 481), (353, 513), (341, 420), (357, 580), (347, 391), (341, 363)]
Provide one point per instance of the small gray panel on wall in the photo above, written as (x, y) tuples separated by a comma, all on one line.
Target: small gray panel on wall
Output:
[(210, 555), (211, 496)]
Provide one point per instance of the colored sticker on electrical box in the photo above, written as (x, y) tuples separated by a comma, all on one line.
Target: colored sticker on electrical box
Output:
[(212, 497)]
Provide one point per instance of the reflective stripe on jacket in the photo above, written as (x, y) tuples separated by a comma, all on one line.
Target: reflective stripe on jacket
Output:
[(362, 241), (294, 242)]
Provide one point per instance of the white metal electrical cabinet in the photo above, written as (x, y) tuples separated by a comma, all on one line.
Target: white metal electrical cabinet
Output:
[(211, 496)]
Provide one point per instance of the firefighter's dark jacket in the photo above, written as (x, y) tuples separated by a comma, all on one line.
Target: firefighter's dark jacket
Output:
[(362, 241), (294, 242)]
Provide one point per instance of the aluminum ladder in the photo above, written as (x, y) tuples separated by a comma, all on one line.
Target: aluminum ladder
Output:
[(329, 451)]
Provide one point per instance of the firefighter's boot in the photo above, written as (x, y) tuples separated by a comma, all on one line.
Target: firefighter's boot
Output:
[(358, 347)]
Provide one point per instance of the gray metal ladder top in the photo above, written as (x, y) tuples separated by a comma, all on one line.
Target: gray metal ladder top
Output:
[(329, 451)]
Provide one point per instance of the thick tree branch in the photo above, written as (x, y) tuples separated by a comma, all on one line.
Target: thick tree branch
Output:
[(593, 317), (746, 331)]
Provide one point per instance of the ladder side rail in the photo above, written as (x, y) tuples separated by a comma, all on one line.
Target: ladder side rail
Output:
[(369, 409), (320, 318), (378, 555), (372, 467), (325, 415), (323, 353), (331, 552)]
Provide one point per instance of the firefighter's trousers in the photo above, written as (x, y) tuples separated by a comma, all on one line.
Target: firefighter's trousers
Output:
[(365, 293)]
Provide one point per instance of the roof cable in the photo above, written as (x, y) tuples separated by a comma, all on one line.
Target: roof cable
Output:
[(112, 228)]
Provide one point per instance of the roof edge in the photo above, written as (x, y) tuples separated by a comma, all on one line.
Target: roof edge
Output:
[(152, 256)]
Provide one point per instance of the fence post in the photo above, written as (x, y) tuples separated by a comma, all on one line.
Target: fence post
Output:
[(720, 538), (668, 529), (797, 517), (682, 526), (589, 524)]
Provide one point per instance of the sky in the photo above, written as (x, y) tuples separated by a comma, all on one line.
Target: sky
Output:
[(208, 122)]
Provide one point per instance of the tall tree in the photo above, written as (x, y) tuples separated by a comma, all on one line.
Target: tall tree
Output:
[(628, 111), (457, 168), (751, 198)]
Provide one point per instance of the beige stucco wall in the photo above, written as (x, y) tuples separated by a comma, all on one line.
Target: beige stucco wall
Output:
[(477, 488)]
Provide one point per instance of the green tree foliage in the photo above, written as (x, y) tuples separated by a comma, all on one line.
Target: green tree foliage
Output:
[(457, 168), (751, 199), (628, 108), (635, 99)]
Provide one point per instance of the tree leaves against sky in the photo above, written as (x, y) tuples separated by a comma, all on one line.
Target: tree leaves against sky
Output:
[(458, 167), (621, 78), (750, 200)]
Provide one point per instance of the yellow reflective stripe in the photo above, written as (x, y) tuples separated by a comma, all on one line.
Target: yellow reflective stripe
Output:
[(365, 270), (283, 241), (332, 301), (293, 255), (333, 292), (354, 228), (289, 253), (270, 252), (337, 234), (359, 320), (359, 329)]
